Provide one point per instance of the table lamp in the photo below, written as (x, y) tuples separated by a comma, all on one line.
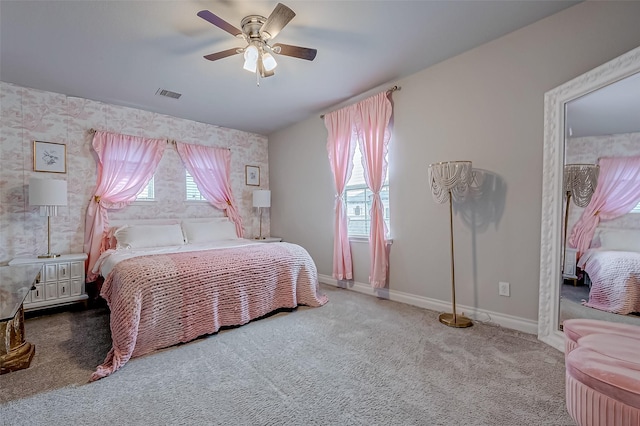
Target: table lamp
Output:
[(48, 194), (261, 199)]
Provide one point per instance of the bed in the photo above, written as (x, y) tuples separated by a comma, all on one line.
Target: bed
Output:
[(613, 267), (171, 283)]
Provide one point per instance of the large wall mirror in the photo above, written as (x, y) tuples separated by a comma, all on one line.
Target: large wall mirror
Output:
[(594, 116)]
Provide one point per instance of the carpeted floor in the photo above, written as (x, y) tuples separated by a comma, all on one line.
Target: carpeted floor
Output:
[(358, 360)]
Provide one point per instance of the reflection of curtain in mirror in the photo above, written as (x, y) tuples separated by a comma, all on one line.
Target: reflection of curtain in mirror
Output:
[(617, 193)]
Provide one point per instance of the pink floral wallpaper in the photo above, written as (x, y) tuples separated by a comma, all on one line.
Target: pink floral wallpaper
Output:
[(587, 150), (28, 114)]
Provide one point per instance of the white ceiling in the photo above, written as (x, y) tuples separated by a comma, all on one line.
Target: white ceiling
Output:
[(122, 52)]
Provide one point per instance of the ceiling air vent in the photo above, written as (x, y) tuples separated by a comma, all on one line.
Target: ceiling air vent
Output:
[(168, 94)]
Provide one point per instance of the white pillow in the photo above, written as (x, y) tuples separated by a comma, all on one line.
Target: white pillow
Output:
[(148, 236), (620, 239), (206, 232)]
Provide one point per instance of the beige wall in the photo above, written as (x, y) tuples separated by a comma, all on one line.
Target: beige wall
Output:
[(485, 105)]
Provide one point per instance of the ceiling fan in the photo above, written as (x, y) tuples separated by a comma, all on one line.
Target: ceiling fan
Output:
[(258, 31)]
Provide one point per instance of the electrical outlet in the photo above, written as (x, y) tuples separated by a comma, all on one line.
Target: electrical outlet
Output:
[(503, 289)]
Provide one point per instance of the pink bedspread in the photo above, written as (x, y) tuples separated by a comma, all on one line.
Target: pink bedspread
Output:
[(160, 300), (615, 280)]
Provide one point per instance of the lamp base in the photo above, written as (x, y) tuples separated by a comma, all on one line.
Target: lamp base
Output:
[(460, 321), (48, 255)]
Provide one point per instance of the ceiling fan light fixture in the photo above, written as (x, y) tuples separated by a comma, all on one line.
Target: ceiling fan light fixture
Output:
[(269, 62), (258, 31), (251, 58)]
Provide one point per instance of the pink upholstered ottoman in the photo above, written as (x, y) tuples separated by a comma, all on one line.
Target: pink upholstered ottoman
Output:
[(574, 329), (602, 373)]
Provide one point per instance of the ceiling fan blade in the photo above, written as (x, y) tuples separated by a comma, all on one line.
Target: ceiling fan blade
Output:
[(280, 17), (222, 54), (219, 22), (295, 51)]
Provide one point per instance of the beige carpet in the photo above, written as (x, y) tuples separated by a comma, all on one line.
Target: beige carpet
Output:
[(356, 361)]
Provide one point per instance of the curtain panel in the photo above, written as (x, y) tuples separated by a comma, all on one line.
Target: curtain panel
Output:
[(617, 193), (126, 164), (341, 145), (211, 171), (373, 116)]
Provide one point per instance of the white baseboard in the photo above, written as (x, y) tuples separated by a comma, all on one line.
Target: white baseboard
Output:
[(480, 315)]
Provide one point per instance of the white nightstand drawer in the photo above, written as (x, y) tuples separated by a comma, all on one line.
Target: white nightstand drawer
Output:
[(77, 269), (51, 272), (64, 271), (37, 295), (51, 290), (64, 289), (77, 286)]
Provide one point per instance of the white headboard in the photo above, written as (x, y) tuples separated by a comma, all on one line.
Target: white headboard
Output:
[(122, 222)]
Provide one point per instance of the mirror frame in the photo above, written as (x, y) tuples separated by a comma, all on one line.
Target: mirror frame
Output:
[(552, 194)]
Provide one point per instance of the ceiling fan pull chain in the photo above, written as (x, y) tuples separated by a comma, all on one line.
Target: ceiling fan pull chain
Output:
[(257, 78)]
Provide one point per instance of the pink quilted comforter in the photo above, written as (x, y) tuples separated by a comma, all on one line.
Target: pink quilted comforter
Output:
[(615, 280), (160, 300)]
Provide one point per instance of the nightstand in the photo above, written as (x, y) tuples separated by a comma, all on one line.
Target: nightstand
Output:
[(570, 269), (61, 281), (269, 240)]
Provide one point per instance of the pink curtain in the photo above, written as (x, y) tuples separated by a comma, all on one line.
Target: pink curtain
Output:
[(125, 165), (617, 193), (341, 144), (373, 115), (211, 171)]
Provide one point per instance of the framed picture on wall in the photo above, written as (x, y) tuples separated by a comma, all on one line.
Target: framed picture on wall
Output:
[(49, 157), (252, 175)]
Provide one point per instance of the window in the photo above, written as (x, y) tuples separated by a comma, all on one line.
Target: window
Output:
[(147, 193), (636, 209), (358, 199), (193, 193)]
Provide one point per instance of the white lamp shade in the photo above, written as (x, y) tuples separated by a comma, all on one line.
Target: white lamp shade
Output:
[(262, 198), (269, 62), (450, 178), (251, 58), (47, 192), (580, 181)]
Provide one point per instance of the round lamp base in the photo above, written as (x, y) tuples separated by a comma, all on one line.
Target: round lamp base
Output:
[(460, 321)]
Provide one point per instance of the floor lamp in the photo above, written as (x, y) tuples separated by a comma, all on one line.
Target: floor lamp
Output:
[(449, 180), (580, 181), (48, 194), (261, 199)]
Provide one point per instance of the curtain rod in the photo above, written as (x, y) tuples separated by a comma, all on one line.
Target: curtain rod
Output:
[(171, 141), (390, 90)]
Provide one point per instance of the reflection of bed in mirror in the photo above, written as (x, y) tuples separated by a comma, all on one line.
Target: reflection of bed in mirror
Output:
[(613, 271)]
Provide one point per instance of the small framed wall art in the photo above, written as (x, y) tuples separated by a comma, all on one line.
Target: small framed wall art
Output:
[(252, 175), (49, 157)]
